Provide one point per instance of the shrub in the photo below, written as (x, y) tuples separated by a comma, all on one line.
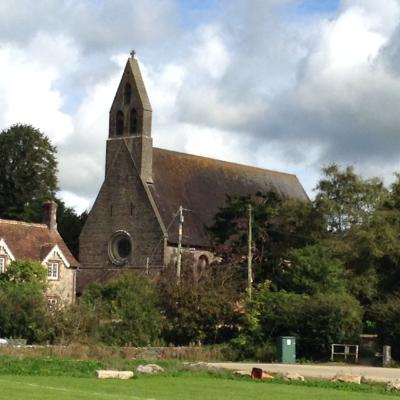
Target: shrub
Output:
[(201, 308), (384, 316), (317, 321), (125, 311), (23, 307)]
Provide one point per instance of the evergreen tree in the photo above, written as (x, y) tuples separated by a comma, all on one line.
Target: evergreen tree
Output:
[(28, 172)]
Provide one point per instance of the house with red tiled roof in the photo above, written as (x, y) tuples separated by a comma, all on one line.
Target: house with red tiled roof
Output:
[(134, 222), (41, 242)]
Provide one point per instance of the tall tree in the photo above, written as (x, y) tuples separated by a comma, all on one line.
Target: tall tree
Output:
[(346, 199), (278, 225), (28, 172), (70, 224)]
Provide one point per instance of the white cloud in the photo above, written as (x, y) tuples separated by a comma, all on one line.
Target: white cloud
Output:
[(210, 54), (252, 84), (28, 94)]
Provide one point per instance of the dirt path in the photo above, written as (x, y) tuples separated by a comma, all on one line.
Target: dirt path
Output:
[(319, 371)]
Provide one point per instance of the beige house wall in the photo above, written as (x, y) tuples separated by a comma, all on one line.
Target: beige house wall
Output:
[(63, 288)]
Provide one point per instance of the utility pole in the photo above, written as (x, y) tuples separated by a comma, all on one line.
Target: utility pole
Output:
[(180, 234), (250, 254)]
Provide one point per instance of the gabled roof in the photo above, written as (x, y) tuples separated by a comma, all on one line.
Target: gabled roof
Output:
[(200, 185), (28, 241)]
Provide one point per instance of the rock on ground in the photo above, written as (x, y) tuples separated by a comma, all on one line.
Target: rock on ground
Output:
[(149, 369), (393, 385), (293, 376), (347, 378), (108, 374)]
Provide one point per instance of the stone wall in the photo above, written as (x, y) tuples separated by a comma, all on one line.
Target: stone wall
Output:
[(122, 205), (63, 288)]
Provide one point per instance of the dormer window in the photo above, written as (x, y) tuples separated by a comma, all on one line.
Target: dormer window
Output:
[(120, 123), (52, 271), (133, 121), (127, 93)]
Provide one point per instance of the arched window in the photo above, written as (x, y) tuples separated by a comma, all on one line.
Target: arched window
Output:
[(133, 121), (127, 93), (120, 123)]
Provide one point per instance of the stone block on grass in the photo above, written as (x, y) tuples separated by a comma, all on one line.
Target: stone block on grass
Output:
[(149, 369), (109, 374), (347, 378), (293, 376), (394, 385)]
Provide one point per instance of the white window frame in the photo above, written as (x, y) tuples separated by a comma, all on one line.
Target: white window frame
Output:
[(2, 264), (53, 272)]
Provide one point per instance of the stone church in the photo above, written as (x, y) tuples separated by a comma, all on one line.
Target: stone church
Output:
[(133, 222)]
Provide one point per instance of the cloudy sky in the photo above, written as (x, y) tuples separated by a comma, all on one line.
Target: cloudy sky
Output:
[(291, 85)]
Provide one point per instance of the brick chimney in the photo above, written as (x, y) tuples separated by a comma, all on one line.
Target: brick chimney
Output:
[(50, 214)]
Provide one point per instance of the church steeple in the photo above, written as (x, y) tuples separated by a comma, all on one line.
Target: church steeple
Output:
[(130, 120), (130, 113)]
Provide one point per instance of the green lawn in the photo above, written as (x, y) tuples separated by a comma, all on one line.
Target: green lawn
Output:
[(166, 388)]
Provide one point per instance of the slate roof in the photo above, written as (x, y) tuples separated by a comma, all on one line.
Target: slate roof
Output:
[(29, 241), (200, 184)]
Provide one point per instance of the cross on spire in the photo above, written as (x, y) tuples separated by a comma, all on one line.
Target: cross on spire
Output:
[(133, 52)]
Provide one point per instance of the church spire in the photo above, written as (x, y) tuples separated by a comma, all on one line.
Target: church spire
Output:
[(130, 113), (130, 120)]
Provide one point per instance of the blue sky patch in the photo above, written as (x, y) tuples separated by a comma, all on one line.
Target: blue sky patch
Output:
[(318, 6)]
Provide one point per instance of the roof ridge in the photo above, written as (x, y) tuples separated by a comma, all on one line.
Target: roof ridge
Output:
[(227, 162), (24, 223)]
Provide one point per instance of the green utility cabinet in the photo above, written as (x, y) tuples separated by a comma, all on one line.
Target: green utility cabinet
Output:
[(287, 349)]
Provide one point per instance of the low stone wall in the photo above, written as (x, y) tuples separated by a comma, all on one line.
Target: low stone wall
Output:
[(98, 352)]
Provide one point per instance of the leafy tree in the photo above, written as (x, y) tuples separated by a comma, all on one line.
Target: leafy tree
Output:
[(23, 306), (352, 207), (28, 172), (278, 225), (23, 313), (22, 272), (345, 199), (311, 270), (317, 321), (69, 225), (383, 246), (384, 319), (126, 311)]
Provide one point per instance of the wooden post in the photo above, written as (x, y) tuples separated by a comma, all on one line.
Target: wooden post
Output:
[(250, 254), (180, 234)]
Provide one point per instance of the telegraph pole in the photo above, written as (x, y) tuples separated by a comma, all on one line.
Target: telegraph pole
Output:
[(250, 254), (180, 234)]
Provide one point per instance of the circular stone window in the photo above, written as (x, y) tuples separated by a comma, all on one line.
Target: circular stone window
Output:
[(120, 247)]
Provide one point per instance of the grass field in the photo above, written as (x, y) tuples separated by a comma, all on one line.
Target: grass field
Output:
[(56, 378), (166, 388)]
